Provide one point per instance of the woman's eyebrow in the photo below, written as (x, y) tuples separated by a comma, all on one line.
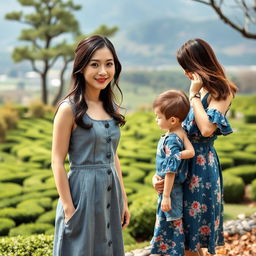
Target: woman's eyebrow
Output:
[(99, 60)]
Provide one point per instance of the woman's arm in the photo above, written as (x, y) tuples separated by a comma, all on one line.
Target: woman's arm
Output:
[(126, 214), (62, 127), (189, 151), (206, 127), (168, 184)]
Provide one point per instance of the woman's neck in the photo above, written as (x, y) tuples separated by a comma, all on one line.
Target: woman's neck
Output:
[(93, 96)]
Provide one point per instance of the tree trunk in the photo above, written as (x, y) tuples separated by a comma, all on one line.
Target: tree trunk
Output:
[(62, 83), (44, 88)]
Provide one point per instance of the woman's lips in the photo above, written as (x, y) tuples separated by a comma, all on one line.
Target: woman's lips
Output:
[(101, 80)]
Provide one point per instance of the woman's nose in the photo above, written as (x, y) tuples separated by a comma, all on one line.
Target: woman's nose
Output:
[(102, 70)]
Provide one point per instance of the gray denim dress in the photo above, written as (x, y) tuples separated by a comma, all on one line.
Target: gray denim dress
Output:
[(95, 228)]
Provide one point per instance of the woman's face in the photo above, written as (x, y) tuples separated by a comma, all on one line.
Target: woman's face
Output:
[(100, 70)]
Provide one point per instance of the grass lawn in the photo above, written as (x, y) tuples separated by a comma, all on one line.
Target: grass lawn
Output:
[(232, 210)]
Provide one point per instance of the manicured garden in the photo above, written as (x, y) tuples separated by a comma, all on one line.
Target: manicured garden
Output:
[(28, 196)]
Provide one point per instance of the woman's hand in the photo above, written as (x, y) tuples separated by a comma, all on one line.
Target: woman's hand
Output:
[(196, 84), (69, 212), (166, 204), (125, 217), (158, 183)]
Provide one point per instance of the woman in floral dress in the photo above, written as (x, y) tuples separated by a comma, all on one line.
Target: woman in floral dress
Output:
[(210, 95)]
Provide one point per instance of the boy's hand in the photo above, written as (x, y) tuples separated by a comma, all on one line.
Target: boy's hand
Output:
[(166, 204)]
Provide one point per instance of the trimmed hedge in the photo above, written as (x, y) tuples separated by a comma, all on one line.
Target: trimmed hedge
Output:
[(143, 212), (9, 189), (36, 245), (246, 172), (5, 226), (233, 188), (30, 229), (253, 189)]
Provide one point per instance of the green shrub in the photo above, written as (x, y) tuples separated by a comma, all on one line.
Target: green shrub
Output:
[(241, 157), (134, 174), (37, 109), (10, 117), (36, 245), (3, 128), (226, 162), (250, 117), (26, 211), (246, 172), (251, 148), (5, 226), (18, 215), (30, 228), (253, 189), (233, 188), (9, 189), (48, 217), (143, 212), (148, 178), (128, 239)]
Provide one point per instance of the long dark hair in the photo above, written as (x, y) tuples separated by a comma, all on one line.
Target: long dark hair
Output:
[(197, 56), (83, 53)]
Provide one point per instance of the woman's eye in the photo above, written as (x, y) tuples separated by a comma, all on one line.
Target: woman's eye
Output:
[(110, 64), (94, 64)]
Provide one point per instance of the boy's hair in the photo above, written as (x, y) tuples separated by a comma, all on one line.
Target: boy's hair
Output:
[(173, 103)]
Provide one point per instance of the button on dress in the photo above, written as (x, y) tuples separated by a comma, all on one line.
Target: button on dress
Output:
[(95, 227), (203, 189)]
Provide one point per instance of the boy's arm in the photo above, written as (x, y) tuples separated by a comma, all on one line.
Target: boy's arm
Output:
[(168, 184), (189, 151)]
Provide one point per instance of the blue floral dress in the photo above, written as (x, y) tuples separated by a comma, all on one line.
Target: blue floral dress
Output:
[(168, 236), (203, 189)]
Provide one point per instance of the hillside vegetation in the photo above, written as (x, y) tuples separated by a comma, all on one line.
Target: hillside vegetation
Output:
[(28, 196)]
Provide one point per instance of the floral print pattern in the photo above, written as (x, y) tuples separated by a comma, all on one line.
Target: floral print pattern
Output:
[(168, 238), (203, 189)]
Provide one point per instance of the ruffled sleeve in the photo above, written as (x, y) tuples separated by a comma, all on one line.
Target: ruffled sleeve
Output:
[(172, 147), (216, 117)]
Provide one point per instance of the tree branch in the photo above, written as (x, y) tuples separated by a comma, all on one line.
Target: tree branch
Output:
[(243, 29)]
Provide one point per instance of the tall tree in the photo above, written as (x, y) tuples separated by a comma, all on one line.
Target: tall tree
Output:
[(244, 23), (51, 23)]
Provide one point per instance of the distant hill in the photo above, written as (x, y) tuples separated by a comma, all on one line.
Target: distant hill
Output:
[(156, 42), (150, 31)]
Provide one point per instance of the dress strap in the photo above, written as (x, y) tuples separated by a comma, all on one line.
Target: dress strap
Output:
[(205, 100)]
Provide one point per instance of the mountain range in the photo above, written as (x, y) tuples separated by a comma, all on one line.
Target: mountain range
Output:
[(150, 31)]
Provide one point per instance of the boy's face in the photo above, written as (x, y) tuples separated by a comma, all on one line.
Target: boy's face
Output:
[(162, 122)]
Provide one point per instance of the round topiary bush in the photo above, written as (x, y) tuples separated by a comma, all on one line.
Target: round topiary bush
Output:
[(233, 188), (30, 228), (5, 226), (9, 189), (143, 212), (246, 172)]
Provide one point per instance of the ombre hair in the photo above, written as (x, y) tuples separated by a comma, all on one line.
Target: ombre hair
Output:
[(197, 56), (173, 103), (83, 53)]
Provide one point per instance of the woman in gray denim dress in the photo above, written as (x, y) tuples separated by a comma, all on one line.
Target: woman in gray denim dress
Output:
[(93, 206)]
